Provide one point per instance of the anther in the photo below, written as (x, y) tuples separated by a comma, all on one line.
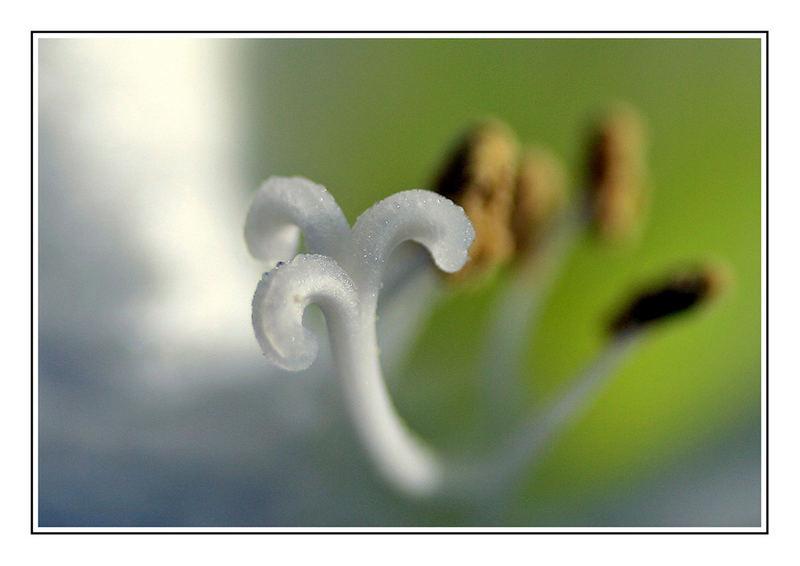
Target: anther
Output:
[(679, 292), (616, 174), (480, 177), (540, 196)]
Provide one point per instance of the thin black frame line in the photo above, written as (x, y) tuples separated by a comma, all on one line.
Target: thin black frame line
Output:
[(766, 329), (138, 532), (453, 32), (766, 282), (32, 254)]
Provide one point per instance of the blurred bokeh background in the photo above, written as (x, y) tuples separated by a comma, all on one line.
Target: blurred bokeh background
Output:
[(155, 406)]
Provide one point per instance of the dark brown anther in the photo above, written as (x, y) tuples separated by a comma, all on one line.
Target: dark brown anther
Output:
[(480, 177), (680, 292), (616, 174)]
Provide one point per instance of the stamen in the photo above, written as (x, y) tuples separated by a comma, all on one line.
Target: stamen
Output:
[(679, 292), (543, 233), (616, 174), (493, 477), (480, 176), (540, 197)]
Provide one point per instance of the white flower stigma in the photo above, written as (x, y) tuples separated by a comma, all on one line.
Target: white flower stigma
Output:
[(342, 274)]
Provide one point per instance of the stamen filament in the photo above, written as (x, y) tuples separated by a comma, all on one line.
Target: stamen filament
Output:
[(492, 477), (514, 324)]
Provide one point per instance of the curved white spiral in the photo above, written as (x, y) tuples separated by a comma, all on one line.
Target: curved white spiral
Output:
[(422, 216), (282, 296), (286, 206)]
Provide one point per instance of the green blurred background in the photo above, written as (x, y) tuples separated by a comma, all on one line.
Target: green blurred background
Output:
[(370, 117)]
